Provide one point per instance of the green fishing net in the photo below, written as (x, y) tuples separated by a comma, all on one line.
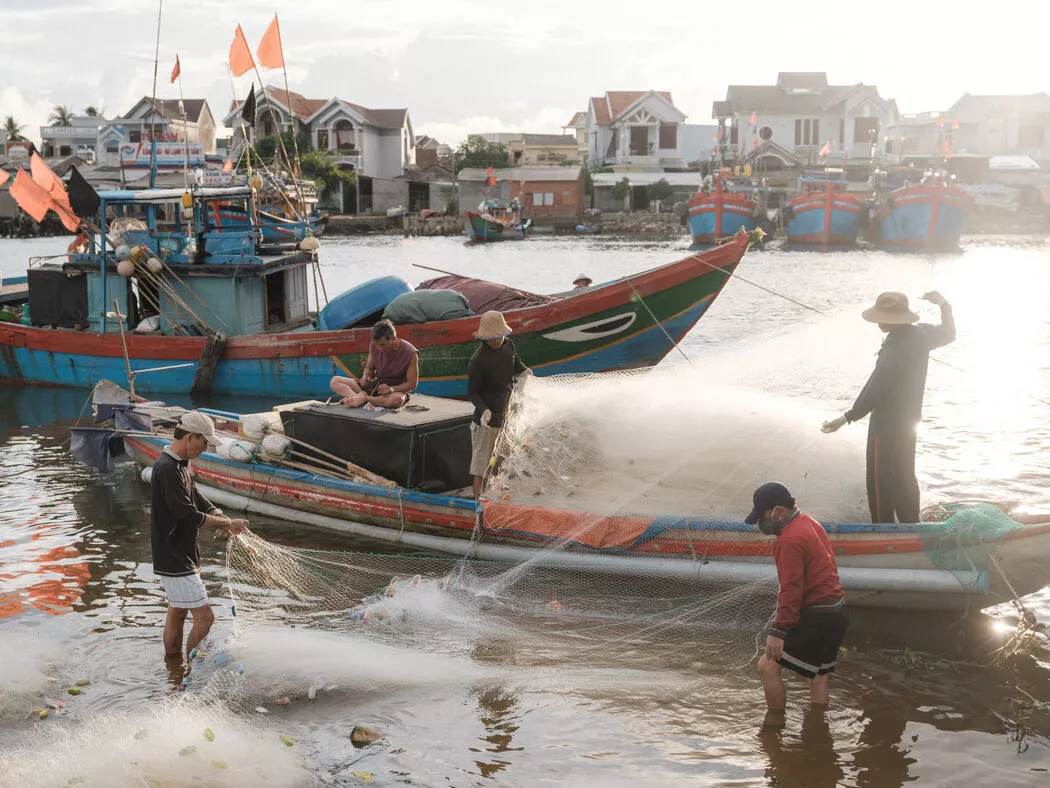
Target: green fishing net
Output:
[(969, 536)]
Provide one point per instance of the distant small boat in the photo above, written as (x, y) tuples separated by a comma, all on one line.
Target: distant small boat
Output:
[(586, 228), (721, 213), (928, 217), (823, 214), (496, 221)]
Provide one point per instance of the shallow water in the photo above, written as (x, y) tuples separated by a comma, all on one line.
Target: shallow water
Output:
[(77, 597)]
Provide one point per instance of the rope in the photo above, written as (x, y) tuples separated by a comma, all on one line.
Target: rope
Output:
[(657, 321)]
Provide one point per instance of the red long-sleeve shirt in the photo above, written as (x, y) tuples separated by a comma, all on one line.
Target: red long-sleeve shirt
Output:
[(806, 570)]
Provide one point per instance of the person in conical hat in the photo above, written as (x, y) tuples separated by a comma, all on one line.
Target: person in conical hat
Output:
[(490, 380), (582, 281), (893, 396)]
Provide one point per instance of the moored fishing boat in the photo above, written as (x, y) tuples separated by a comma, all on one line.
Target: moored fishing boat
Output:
[(823, 214), (496, 221), (271, 348), (275, 229), (881, 565), (721, 212), (929, 217)]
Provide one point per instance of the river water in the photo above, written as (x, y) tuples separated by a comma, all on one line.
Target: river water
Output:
[(915, 700)]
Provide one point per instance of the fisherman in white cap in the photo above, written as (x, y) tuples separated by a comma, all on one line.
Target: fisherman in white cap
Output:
[(490, 380), (893, 396), (582, 282), (178, 512)]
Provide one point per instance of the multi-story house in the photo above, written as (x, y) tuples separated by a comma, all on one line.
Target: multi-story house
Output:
[(1001, 125), (633, 128)]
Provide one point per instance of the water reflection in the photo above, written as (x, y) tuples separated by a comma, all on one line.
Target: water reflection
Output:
[(807, 757)]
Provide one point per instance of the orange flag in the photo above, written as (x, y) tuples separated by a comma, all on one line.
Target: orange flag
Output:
[(270, 53), (30, 196), (227, 165), (175, 72), (4, 175), (50, 182), (240, 56)]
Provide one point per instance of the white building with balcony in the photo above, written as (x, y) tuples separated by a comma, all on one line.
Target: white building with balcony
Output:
[(794, 120), (376, 143), (633, 128), (79, 139)]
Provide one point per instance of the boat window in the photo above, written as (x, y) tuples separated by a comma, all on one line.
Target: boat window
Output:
[(275, 300)]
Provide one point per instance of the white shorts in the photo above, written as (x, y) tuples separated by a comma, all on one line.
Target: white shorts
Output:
[(482, 444), (185, 591)]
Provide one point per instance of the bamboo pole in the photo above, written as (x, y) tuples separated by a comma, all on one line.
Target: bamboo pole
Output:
[(356, 470)]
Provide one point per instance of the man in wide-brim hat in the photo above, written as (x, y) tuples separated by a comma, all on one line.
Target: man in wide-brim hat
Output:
[(582, 281), (490, 380), (893, 396)]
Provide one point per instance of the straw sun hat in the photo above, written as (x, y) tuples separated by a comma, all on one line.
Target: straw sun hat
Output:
[(890, 309), (492, 326)]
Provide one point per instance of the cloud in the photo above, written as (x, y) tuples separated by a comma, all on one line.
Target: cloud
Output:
[(30, 111)]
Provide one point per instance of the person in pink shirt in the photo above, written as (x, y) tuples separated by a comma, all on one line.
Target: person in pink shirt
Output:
[(390, 376), (811, 618)]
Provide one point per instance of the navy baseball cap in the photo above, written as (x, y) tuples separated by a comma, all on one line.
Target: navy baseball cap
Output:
[(766, 497)]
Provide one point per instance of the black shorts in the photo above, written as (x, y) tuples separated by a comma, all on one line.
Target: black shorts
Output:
[(812, 644)]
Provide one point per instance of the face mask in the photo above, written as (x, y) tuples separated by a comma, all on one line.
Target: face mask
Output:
[(770, 526)]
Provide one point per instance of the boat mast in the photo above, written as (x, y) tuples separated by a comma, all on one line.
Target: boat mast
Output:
[(153, 103)]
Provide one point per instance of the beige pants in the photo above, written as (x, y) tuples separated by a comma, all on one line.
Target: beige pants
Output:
[(483, 444)]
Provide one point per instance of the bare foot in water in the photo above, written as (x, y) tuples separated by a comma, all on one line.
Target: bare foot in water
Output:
[(356, 401)]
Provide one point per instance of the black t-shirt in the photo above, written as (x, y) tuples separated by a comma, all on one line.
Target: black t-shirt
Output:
[(178, 513), (490, 378)]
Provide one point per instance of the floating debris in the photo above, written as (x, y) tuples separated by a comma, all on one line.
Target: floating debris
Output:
[(41, 713), (366, 777), (554, 604), (73, 691), (220, 764), (361, 736), (312, 692), (283, 701), (209, 734), (261, 710), (141, 734), (288, 740), (83, 682), (189, 750)]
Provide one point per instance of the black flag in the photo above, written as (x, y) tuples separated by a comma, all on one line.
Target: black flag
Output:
[(83, 199), (248, 110)]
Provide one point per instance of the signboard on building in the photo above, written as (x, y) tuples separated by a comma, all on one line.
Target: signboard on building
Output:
[(21, 149), (220, 178), (170, 155)]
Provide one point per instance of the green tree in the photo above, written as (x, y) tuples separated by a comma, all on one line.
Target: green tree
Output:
[(61, 115), (322, 170), (13, 129), (621, 188), (479, 152), (660, 190), (94, 112), (267, 147)]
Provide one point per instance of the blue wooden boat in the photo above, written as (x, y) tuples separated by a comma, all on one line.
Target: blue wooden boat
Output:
[(823, 214), (720, 213), (496, 221), (928, 217), (275, 229)]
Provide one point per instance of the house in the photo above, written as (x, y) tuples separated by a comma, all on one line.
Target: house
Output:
[(426, 151), (636, 128), (577, 126), (549, 195), (172, 120), (376, 143), (542, 149), (1001, 125), (798, 116), (78, 139), (918, 133)]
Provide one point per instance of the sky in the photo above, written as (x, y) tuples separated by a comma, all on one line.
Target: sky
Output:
[(466, 66)]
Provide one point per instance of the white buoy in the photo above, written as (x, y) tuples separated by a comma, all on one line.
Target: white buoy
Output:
[(155, 265), (243, 451), (275, 446), (309, 244), (123, 252), (254, 426), (126, 268)]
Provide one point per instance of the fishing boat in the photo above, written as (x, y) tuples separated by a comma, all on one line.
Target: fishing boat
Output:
[(723, 211), (880, 565), (929, 217), (824, 214), (496, 220), (271, 345), (275, 229)]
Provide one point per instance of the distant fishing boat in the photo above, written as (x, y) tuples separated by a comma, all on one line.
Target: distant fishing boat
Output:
[(823, 213), (496, 220), (722, 212), (928, 217)]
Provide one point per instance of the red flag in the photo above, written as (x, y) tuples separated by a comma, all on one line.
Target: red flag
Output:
[(51, 183), (755, 144), (947, 144), (270, 52), (955, 124), (825, 150), (175, 72), (940, 120), (4, 175), (30, 196), (754, 118), (490, 179), (240, 56), (719, 134)]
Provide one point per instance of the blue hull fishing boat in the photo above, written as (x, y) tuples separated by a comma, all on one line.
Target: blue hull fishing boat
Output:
[(927, 217), (496, 221), (721, 213), (823, 214), (275, 229)]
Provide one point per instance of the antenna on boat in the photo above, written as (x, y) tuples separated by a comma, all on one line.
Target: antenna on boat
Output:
[(153, 104)]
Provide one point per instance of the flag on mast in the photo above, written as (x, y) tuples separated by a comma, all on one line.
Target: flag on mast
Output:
[(240, 55), (270, 53), (825, 150), (177, 71)]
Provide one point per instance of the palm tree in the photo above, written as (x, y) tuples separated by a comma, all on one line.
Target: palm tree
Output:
[(61, 116), (13, 129), (94, 112)]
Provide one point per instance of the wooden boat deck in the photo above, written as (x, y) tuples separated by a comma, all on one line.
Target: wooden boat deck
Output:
[(14, 289)]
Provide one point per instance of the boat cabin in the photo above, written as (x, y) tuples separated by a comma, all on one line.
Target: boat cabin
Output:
[(182, 270), (819, 182)]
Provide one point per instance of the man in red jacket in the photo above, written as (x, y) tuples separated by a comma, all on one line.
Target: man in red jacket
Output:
[(811, 618)]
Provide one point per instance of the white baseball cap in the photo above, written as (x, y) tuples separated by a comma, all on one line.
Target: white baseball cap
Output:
[(201, 424)]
